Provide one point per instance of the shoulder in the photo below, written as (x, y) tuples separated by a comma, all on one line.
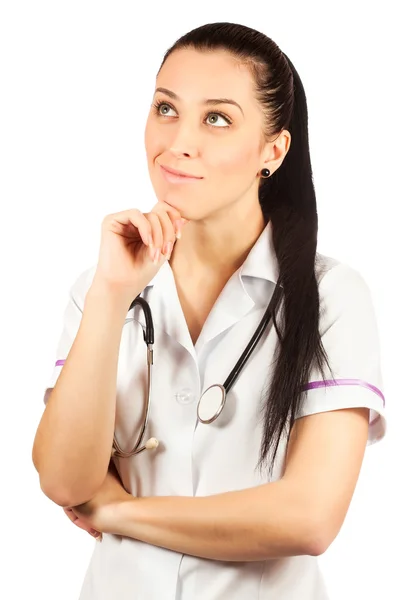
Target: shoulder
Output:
[(342, 290), (334, 275)]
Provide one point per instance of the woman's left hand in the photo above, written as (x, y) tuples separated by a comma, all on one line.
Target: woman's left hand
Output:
[(100, 512)]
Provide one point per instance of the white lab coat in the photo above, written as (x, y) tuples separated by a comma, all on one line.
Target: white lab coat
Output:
[(194, 459)]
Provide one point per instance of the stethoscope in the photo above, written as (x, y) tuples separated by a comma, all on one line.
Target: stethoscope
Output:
[(213, 399)]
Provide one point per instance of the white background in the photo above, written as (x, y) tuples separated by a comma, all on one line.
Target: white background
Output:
[(77, 81)]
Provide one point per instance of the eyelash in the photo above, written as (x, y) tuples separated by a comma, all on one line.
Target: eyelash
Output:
[(157, 105)]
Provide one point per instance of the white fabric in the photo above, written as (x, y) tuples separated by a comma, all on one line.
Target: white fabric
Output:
[(195, 459)]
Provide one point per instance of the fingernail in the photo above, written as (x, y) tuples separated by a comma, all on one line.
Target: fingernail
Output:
[(169, 250), (178, 226), (152, 253), (156, 256)]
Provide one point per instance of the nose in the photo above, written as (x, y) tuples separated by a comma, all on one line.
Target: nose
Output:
[(183, 143)]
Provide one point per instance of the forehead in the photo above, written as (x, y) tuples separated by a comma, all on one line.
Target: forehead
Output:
[(195, 75)]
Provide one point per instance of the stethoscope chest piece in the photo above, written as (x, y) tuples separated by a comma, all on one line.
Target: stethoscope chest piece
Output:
[(211, 403)]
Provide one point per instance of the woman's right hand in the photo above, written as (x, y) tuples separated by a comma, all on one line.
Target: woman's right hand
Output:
[(130, 243)]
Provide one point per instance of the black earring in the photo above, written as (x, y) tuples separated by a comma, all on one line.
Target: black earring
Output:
[(265, 173)]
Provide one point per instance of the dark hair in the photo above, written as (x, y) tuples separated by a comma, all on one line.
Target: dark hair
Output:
[(287, 199)]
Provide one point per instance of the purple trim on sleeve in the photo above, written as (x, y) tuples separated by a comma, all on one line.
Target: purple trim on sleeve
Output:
[(375, 420), (59, 363), (318, 384)]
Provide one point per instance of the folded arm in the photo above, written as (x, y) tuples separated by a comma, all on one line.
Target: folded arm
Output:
[(301, 513)]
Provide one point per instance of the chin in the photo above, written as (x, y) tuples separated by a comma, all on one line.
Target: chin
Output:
[(174, 202), (179, 206)]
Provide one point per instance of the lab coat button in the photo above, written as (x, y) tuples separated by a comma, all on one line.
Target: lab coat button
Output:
[(185, 396)]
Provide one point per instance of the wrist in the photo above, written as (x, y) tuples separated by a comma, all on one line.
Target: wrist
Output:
[(117, 298), (124, 517)]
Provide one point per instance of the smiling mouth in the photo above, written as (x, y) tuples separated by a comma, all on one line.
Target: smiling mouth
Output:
[(174, 177)]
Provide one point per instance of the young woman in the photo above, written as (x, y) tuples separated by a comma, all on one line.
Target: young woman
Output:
[(239, 504)]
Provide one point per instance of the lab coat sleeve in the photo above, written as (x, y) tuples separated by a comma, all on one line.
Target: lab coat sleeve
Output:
[(350, 337), (70, 326)]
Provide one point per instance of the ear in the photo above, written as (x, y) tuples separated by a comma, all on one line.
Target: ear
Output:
[(275, 151)]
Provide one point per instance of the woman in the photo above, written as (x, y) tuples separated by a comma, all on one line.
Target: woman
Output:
[(238, 508)]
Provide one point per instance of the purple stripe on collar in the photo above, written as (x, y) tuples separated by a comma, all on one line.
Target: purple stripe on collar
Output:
[(60, 363), (318, 384)]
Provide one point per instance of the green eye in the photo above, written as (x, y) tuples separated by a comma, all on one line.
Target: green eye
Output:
[(218, 115), (162, 108), (159, 105)]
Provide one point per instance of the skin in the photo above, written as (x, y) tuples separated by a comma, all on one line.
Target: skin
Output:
[(190, 137), (303, 512)]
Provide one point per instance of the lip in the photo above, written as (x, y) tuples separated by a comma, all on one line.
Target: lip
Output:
[(180, 174)]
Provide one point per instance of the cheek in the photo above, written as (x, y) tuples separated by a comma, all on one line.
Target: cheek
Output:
[(150, 140), (234, 160), (155, 142)]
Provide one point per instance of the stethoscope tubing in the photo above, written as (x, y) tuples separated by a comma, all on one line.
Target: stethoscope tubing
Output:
[(237, 369), (148, 335)]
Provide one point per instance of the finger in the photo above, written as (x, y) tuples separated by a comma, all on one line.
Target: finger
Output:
[(157, 232), (169, 235), (82, 525), (70, 514), (78, 521), (174, 214), (131, 216), (75, 519), (176, 217), (169, 232)]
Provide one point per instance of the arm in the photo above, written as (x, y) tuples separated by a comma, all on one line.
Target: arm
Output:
[(73, 441), (300, 514)]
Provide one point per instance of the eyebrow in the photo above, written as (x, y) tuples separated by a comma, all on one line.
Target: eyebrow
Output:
[(210, 101)]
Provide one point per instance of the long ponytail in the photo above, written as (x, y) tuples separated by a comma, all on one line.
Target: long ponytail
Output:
[(288, 199)]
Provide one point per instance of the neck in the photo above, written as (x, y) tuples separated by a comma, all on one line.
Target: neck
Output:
[(217, 246)]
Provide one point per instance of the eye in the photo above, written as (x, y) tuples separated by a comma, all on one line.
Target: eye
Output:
[(218, 115), (162, 108), (158, 105)]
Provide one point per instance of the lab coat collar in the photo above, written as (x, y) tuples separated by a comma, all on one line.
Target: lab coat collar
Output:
[(261, 262), (233, 304)]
